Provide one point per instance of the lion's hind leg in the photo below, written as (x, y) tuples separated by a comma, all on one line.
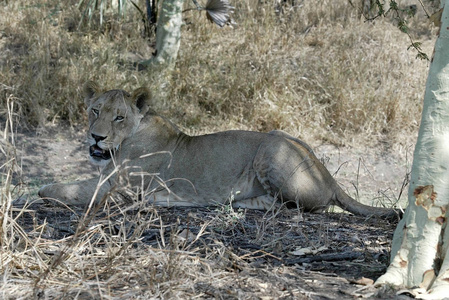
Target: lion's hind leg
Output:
[(293, 174)]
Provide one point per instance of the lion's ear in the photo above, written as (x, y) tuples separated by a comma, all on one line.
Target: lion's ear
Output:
[(141, 97), (90, 90)]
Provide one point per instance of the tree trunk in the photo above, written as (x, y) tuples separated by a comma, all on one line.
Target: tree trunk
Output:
[(168, 35), (168, 39), (420, 250)]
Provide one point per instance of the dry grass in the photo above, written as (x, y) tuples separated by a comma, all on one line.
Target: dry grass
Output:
[(316, 70), (319, 72)]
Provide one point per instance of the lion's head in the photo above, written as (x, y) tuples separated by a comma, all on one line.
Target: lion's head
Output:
[(113, 116)]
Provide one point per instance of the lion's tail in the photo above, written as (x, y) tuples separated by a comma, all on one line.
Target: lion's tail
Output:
[(344, 201)]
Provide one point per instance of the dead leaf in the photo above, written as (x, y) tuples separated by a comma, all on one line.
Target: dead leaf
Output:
[(307, 250), (436, 18), (364, 281)]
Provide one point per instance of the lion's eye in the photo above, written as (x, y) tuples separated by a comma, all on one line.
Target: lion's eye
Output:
[(95, 111), (119, 118)]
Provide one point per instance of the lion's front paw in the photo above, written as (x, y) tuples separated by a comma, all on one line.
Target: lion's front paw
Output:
[(44, 191), (62, 194), (48, 193)]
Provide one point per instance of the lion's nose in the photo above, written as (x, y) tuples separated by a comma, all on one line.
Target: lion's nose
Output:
[(98, 138)]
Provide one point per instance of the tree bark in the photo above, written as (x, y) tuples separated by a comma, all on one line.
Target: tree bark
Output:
[(420, 250), (168, 39), (168, 35)]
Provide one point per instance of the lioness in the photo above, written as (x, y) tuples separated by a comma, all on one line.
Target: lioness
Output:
[(247, 169)]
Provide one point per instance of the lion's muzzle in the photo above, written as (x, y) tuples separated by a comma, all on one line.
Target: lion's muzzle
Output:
[(99, 154), (96, 152)]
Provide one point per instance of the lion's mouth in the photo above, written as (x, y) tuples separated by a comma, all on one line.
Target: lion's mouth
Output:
[(98, 154)]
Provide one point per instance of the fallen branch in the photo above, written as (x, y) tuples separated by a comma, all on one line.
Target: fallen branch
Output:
[(324, 257)]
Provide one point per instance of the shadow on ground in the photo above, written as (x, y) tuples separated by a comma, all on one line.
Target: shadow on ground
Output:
[(285, 255)]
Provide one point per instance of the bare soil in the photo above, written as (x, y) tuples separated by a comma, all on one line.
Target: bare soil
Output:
[(264, 255)]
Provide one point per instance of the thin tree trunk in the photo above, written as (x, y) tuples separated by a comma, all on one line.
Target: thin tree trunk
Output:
[(419, 256), (168, 35), (168, 39)]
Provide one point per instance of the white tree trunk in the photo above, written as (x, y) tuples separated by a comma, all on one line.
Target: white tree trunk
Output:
[(168, 39), (420, 250), (168, 35)]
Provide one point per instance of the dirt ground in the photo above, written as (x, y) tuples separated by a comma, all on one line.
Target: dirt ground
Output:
[(286, 254)]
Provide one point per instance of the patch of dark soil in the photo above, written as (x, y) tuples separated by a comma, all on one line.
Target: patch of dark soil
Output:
[(284, 254)]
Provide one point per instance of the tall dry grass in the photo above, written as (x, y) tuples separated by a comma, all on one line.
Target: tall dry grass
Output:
[(317, 69)]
